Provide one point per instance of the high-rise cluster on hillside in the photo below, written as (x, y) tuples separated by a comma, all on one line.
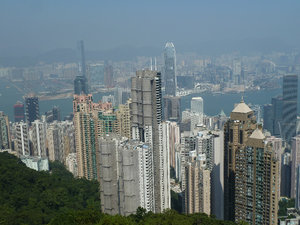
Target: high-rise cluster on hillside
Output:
[(143, 147)]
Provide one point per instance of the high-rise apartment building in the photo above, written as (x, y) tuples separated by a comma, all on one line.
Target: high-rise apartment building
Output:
[(123, 118), (217, 176), (19, 113), (171, 108), (295, 155), (197, 185), (146, 126), (289, 110), (170, 82), (32, 111), (106, 122), (278, 149), (85, 137), (55, 143), (126, 175), (237, 129), (5, 141), (256, 193), (251, 170), (174, 141), (60, 140), (22, 138), (38, 138)]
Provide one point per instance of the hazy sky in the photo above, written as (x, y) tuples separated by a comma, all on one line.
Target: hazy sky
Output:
[(41, 25)]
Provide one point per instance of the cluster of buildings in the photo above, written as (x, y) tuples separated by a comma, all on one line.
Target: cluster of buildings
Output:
[(143, 148)]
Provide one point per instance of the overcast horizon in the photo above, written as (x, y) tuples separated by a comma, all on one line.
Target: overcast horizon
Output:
[(34, 27)]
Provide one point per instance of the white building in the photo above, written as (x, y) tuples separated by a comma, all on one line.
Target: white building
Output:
[(71, 164), (197, 105), (35, 162), (22, 138), (38, 138)]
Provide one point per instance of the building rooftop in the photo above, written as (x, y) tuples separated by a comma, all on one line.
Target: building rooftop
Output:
[(242, 107), (257, 134), (169, 45)]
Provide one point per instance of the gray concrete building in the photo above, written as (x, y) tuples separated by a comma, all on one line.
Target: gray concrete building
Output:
[(146, 118), (126, 175)]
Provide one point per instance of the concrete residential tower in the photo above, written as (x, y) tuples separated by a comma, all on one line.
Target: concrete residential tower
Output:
[(146, 117)]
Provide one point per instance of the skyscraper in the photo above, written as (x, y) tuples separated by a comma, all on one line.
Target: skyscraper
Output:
[(170, 69), (80, 85), (197, 105), (237, 129), (277, 115), (32, 108), (81, 82), (85, 137), (171, 108), (289, 111), (146, 126), (251, 170), (19, 112), (256, 193), (268, 118), (108, 75)]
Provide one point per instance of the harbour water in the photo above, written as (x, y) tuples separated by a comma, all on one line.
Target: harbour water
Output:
[(213, 103)]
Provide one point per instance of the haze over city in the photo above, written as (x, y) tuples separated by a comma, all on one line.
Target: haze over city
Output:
[(34, 27), (149, 112)]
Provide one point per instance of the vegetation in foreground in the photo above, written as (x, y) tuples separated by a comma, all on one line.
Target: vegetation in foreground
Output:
[(57, 198)]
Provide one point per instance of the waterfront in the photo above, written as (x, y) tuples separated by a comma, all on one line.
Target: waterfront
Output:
[(213, 103)]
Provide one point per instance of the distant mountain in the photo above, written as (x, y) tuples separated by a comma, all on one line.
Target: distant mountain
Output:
[(67, 55), (209, 48)]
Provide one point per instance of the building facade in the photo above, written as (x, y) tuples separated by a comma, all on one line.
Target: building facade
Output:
[(146, 119), (289, 110), (5, 140), (32, 110)]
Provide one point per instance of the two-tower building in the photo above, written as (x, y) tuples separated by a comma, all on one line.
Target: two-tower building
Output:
[(250, 170)]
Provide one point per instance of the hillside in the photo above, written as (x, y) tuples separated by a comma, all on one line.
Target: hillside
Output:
[(57, 198), (31, 197)]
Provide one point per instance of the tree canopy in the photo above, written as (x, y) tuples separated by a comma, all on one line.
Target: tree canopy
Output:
[(31, 197), (57, 198)]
